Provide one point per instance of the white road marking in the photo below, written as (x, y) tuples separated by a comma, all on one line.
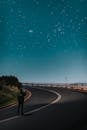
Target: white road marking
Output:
[(53, 102), (8, 119), (37, 109)]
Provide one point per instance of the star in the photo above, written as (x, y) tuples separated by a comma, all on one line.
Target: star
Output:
[(67, 15), (77, 10), (55, 31), (79, 28), (8, 0), (0, 21), (30, 31), (11, 27), (73, 27), (71, 20), (62, 32), (41, 33), (65, 50), (14, 33), (85, 18), (82, 20), (49, 40), (76, 17), (13, 2), (23, 17), (82, 1), (51, 13), (62, 12), (63, 0), (76, 43), (49, 5), (59, 29), (36, 2), (12, 10)]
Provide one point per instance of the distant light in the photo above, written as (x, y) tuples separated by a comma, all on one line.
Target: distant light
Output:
[(31, 31)]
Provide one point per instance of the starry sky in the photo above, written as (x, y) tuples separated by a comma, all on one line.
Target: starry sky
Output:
[(44, 40)]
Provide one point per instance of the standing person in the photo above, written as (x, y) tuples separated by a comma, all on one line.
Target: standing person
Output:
[(21, 101)]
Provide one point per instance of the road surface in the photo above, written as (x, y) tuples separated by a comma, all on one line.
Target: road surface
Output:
[(56, 109)]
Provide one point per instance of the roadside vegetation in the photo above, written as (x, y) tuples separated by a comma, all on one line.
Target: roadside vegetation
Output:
[(9, 86)]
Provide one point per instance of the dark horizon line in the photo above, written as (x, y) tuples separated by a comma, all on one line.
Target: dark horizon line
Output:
[(55, 83)]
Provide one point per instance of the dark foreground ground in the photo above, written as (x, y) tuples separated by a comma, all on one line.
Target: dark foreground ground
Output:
[(70, 113)]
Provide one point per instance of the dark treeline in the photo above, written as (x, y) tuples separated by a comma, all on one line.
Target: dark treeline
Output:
[(9, 80)]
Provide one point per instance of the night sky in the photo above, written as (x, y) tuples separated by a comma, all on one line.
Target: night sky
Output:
[(44, 40)]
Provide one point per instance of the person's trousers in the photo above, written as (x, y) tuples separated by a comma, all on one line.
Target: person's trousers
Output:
[(20, 108)]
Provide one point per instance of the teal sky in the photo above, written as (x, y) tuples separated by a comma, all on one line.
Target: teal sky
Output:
[(44, 40)]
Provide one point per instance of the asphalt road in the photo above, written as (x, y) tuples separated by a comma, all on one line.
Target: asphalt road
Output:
[(43, 111)]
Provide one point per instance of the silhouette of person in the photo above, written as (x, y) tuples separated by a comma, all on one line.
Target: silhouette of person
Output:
[(21, 95)]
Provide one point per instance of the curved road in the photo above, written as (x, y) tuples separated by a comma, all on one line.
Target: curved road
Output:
[(49, 108)]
